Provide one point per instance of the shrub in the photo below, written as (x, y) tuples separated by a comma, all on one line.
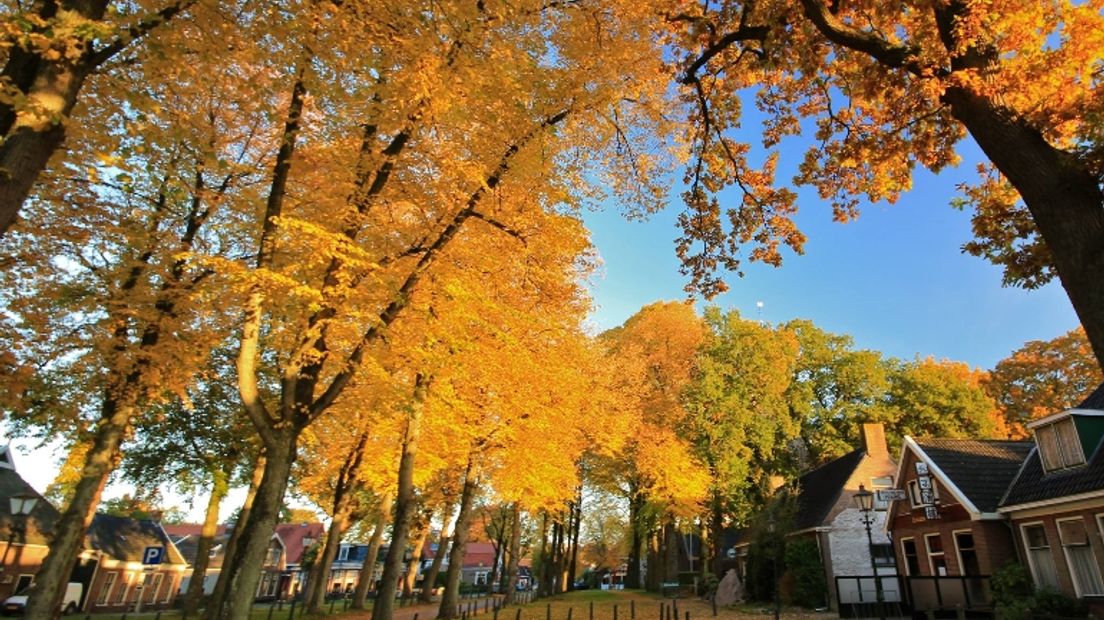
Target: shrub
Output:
[(807, 572), (1016, 598)]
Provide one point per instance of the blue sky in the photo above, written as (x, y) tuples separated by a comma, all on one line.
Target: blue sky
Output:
[(896, 279)]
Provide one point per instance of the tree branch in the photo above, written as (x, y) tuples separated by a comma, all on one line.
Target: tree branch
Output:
[(139, 30)]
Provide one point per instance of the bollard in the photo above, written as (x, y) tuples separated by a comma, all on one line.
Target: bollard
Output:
[(332, 602), (415, 615), (674, 608), (615, 611), (157, 616), (714, 601), (517, 616), (291, 610), (592, 610), (183, 615), (632, 609), (688, 614), (124, 615), (345, 604), (548, 612), (271, 610), (569, 610), (496, 612), (662, 611)]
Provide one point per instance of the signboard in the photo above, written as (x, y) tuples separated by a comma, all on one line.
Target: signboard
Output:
[(153, 555), (931, 512), (921, 468), (890, 495)]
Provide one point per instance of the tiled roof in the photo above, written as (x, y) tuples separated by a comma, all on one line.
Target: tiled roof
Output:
[(126, 539), (819, 489), (293, 536), (1095, 400), (980, 468), (1032, 485)]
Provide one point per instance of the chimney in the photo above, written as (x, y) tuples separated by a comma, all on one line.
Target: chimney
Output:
[(873, 439)]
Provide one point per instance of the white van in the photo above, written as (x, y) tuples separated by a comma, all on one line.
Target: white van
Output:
[(16, 605)]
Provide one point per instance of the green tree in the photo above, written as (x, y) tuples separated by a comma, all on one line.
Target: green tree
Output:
[(929, 398), (738, 420)]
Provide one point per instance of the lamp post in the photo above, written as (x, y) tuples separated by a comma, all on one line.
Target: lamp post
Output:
[(774, 562), (21, 506), (865, 501)]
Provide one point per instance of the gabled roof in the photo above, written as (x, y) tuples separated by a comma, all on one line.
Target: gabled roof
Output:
[(1034, 485), (819, 489), (979, 469), (126, 539), (294, 535), (186, 537), (40, 523)]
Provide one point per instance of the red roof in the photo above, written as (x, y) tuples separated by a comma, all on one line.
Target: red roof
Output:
[(475, 553), (295, 538)]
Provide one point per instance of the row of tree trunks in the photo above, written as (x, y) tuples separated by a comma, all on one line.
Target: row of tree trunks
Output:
[(429, 583), (511, 577), (636, 539), (405, 506), (194, 595), (421, 534), (450, 599), (367, 578)]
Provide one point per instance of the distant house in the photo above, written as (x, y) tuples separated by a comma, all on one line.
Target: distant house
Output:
[(282, 572), (185, 536), (947, 533), (122, 580), (24, 538), (1056, 502)]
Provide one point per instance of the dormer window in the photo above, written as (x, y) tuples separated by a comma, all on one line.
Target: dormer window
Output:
[(1059, 445)]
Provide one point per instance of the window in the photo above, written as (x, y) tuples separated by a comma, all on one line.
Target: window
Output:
[(273, 558), (121, 591), (908, 551), (343, 555), (967, 554), (1079, 557), (173, 587), (105, 589), (1039, 557), (1059, 445), (937, 562), (882, 554), (882, 482), (153, 585)]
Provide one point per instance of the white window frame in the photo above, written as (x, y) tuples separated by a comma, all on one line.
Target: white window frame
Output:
[(904, 556), (943, 553), (121, 598), (1027, 550), (154, 585), (1066, 555), (104, 594), (343, 554), (169, 591), (958, 550)]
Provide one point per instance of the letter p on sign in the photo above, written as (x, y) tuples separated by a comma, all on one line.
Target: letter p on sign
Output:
[(153, 555)]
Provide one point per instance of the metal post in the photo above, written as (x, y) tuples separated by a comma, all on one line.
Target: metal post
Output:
[(867, 519), (271, 610)]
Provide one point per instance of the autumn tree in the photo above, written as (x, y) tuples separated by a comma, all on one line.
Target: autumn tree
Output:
[(937, 398), (1043, 377), (885, 88), (49, 51)]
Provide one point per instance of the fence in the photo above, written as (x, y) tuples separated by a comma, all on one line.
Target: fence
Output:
[(948, 596), (857, 596)]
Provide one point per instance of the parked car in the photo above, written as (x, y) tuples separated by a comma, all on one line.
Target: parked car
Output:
[(17, 605)]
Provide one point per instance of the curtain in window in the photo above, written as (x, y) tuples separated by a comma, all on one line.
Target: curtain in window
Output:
[(1042, 561), (1079, 554)]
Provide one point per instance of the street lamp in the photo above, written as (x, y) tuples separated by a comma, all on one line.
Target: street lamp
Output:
[(865, 501), (21, 507), (774, 561)]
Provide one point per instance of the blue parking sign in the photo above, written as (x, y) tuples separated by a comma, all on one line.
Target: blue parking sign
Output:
[(153, 555)]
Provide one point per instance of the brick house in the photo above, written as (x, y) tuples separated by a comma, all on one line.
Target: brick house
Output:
[(121, 581), (282, 574), (25, 538), (185, 536), (1056, 502), (948, 536)]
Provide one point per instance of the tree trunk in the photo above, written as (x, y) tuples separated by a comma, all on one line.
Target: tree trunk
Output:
[(430, 581), (574, 559), (384, 605), (226, 574), (410, 580), (1064, 198), (636, 542), (194, 596), (544, 583), (555, 560), (316, 591), (367, 577), (69, 532), (670, 551), (515, 552), (498, 543), (716, 527), (451, 597), (257, 531), (655, 575)]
